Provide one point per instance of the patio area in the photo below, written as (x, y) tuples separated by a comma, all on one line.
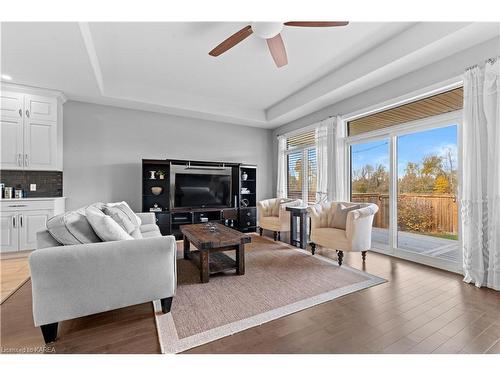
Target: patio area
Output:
[(436, 247)]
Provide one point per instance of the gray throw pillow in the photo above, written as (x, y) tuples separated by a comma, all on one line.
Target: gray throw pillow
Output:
[(125, 217), (340, 215), (71, 228), (106, 228)]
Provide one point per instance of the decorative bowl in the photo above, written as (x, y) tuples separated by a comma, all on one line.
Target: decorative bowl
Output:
[(156, 190)]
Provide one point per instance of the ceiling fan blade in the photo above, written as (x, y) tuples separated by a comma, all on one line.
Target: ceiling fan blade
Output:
[(278, 51), (316, 23), (232, 41)]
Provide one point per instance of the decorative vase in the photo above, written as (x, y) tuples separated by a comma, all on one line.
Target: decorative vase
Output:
[(244, 176), (153, 174), (162, 177)]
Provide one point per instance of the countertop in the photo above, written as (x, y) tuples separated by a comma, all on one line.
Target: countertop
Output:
[(31, 199)]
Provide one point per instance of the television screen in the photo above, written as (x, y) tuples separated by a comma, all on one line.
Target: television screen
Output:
[(202, 190)]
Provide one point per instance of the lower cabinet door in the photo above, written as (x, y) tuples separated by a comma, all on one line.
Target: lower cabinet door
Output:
[(9, 236), (31, 222)]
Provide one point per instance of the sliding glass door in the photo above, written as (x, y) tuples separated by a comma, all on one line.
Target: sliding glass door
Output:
[(427, 208), (411, 171), (370, 183)]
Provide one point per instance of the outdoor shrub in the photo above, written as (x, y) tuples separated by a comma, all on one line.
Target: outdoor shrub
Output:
[(414, 215)]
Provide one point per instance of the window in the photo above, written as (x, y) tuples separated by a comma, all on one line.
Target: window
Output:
[(410, 170), (301, 165)]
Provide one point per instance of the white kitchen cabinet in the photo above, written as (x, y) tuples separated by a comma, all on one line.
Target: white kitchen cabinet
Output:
[(12, 131), (31, 222), (31, 128), (22, 218), (10, 236), (40, 145), (11, 104), (40, 107)]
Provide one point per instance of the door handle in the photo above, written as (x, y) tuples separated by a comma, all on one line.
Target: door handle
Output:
[(13, 221), (19, 161), (21, 220), (20, 112), (27, 113), (26, 160)]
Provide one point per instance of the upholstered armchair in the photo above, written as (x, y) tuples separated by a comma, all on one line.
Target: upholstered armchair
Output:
[(274, 216), (342, 227)]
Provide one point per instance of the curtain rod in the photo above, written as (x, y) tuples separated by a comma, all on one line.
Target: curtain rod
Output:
[(491, 60), (305, 127)]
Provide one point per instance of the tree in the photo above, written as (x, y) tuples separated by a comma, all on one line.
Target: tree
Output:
[(442, 185)]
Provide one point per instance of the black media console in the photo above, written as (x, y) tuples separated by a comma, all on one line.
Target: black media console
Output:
[(239, 211)]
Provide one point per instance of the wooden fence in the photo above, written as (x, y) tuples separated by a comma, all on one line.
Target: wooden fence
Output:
[(444, 209)]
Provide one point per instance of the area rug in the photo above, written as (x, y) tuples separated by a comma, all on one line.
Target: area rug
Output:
[(279, 280)]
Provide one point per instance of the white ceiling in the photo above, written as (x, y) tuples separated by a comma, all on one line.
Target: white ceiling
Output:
[(165, 67)]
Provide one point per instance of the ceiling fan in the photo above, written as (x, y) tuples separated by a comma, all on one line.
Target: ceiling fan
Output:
[(270, 31)]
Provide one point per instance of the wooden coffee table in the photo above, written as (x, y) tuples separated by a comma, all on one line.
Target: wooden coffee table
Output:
[(210, 257)]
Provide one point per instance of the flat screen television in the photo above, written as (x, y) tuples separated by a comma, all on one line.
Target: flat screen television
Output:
[(202, 190)]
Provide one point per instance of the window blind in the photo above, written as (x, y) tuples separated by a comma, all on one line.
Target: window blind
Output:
[(294, 175), (306, 139), (434, 105)]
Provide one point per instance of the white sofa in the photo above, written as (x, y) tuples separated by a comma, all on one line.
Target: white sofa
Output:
[(358, 228), (273, 215), (78, 280)]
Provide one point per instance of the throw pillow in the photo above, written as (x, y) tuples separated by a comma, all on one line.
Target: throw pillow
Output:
[(340, 215), (106, 228), (71, 228), (125, 217)]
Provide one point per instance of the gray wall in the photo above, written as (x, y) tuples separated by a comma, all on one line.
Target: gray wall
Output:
[(104, 145), (448, 68)]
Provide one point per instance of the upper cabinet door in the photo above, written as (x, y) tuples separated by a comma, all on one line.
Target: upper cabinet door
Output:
[(40, 108), (12, 153), (40, 145), (11, 104)]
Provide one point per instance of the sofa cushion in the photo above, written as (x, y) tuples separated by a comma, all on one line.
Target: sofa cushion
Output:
[(340, 215), (71, 228), (104, 226), (150, 230), (125, 217)]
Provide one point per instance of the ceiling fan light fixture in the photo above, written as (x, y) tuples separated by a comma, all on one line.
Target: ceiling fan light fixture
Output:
[(267, 30)]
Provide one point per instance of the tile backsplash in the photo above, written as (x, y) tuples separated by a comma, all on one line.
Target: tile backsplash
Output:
[(48, 183)]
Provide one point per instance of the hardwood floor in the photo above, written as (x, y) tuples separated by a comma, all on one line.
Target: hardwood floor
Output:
[(419, 310), (14, 271)]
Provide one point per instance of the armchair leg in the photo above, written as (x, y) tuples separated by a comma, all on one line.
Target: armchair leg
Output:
[(313, 248), (260, 231), (363, 255), (166, 304), (340, 256), (275, 235), (279, 236), (49, 332)]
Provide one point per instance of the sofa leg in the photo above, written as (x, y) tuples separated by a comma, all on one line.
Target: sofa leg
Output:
[(49, 332), (363, 255), (260, 231), (279, 236), (166, 304), (275, 236), (313, 248), (340, 256)]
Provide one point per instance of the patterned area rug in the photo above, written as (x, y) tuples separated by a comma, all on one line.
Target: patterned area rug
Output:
[(279, 280)]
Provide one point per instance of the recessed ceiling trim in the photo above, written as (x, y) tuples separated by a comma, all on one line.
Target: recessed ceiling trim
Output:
[(94, 59)]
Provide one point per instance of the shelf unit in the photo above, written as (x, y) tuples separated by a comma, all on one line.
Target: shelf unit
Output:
[(239, 216)]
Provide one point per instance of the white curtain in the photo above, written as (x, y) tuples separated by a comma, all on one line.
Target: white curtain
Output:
[(480, 193), (324, 150), (281, 191), (331, 157)]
